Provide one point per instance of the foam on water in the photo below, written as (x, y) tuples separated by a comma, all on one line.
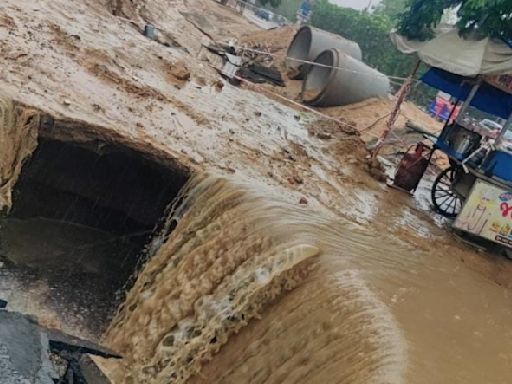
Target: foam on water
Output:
[(238, 255)]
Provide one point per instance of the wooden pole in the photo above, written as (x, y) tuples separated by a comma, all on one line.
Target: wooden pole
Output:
[(402, 94)]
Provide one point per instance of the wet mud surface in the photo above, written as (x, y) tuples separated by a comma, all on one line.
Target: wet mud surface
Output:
[(361, 284), (70, 274)]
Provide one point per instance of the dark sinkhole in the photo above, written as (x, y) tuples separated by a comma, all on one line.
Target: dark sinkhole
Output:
[(81, 216)]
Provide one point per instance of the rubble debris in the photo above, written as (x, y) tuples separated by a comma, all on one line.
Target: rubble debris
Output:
[(376, 170), (178, 71), (60, 341), (259, 74), (273, 41), (231, 66), (293, 73), (97, 108), (370, 117), (238, 63), (92, 372), (327, 129), (200, 81), (324, 135), (30, 353), (257, 53), (150, 32)]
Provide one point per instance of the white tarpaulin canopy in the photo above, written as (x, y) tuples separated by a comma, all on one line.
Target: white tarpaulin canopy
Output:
[(455, 54)]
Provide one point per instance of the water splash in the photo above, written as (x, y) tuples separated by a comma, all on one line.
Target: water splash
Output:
[(235, 253)]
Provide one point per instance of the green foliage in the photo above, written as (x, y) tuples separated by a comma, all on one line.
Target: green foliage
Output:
[(484, 17), (370, 31), (288, 9), (391, 8)]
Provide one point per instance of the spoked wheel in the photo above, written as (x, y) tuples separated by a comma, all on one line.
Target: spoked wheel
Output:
[(446, 201)]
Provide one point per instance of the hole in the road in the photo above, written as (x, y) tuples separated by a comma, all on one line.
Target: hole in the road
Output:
[(81, 217)]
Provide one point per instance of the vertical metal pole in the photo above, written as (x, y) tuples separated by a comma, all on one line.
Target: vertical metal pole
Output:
[(451, 113), (506, 127), (470, 98)]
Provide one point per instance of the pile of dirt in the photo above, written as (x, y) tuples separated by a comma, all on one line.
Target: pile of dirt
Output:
[(344, 141), (366, 121), (370, 116), (179, 74), (274, 41), (329, 129)]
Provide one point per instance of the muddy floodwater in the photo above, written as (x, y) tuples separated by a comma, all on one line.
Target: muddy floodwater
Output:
[(243, 286), (213, 304)]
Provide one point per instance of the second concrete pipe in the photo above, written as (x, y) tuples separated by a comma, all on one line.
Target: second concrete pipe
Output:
[(309, 42), (341, 80)]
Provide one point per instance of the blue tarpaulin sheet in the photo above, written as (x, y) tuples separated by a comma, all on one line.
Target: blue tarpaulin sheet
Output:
[(488, 98)]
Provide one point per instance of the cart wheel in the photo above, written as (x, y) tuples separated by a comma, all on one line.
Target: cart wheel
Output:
[(446, 201)]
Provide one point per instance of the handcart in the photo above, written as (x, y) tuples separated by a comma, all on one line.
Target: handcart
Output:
[(476, 188)]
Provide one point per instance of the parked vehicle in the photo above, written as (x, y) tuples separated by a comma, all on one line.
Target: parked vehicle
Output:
[(264, 14)]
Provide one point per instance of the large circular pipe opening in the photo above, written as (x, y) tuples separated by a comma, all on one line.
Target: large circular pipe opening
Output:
[(308, 43), (339, 79), (319, 77), (299, 49)]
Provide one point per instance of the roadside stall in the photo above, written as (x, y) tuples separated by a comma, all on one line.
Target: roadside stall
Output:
[(476, 189)]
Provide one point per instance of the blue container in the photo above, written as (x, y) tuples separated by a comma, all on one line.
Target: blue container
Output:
[(150, 32), (499, 164)]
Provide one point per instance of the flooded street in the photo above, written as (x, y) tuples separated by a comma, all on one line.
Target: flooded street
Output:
[(272, 255)]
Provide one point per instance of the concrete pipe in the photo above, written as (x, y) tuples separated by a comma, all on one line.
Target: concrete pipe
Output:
[(309, 42), (354, 82)]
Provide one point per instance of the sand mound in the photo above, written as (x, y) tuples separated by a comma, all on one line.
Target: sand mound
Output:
[(275, 41), (370, 116)]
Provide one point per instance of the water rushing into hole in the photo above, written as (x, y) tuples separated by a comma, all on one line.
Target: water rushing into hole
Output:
[(234, 256), (250, 288)]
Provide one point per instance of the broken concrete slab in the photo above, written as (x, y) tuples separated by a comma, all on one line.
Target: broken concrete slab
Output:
[(24, 351), (28, 353)]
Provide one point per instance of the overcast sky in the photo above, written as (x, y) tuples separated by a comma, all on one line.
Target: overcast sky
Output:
[(357, 4)]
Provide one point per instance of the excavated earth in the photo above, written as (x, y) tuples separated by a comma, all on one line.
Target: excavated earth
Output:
[(210, 233)]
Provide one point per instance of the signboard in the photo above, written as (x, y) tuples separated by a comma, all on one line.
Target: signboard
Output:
[(488, 213)]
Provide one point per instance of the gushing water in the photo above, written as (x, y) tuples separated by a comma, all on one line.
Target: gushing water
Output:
[(237, 255)]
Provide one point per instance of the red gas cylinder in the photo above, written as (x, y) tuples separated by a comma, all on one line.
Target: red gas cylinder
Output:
[(412, 167)]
